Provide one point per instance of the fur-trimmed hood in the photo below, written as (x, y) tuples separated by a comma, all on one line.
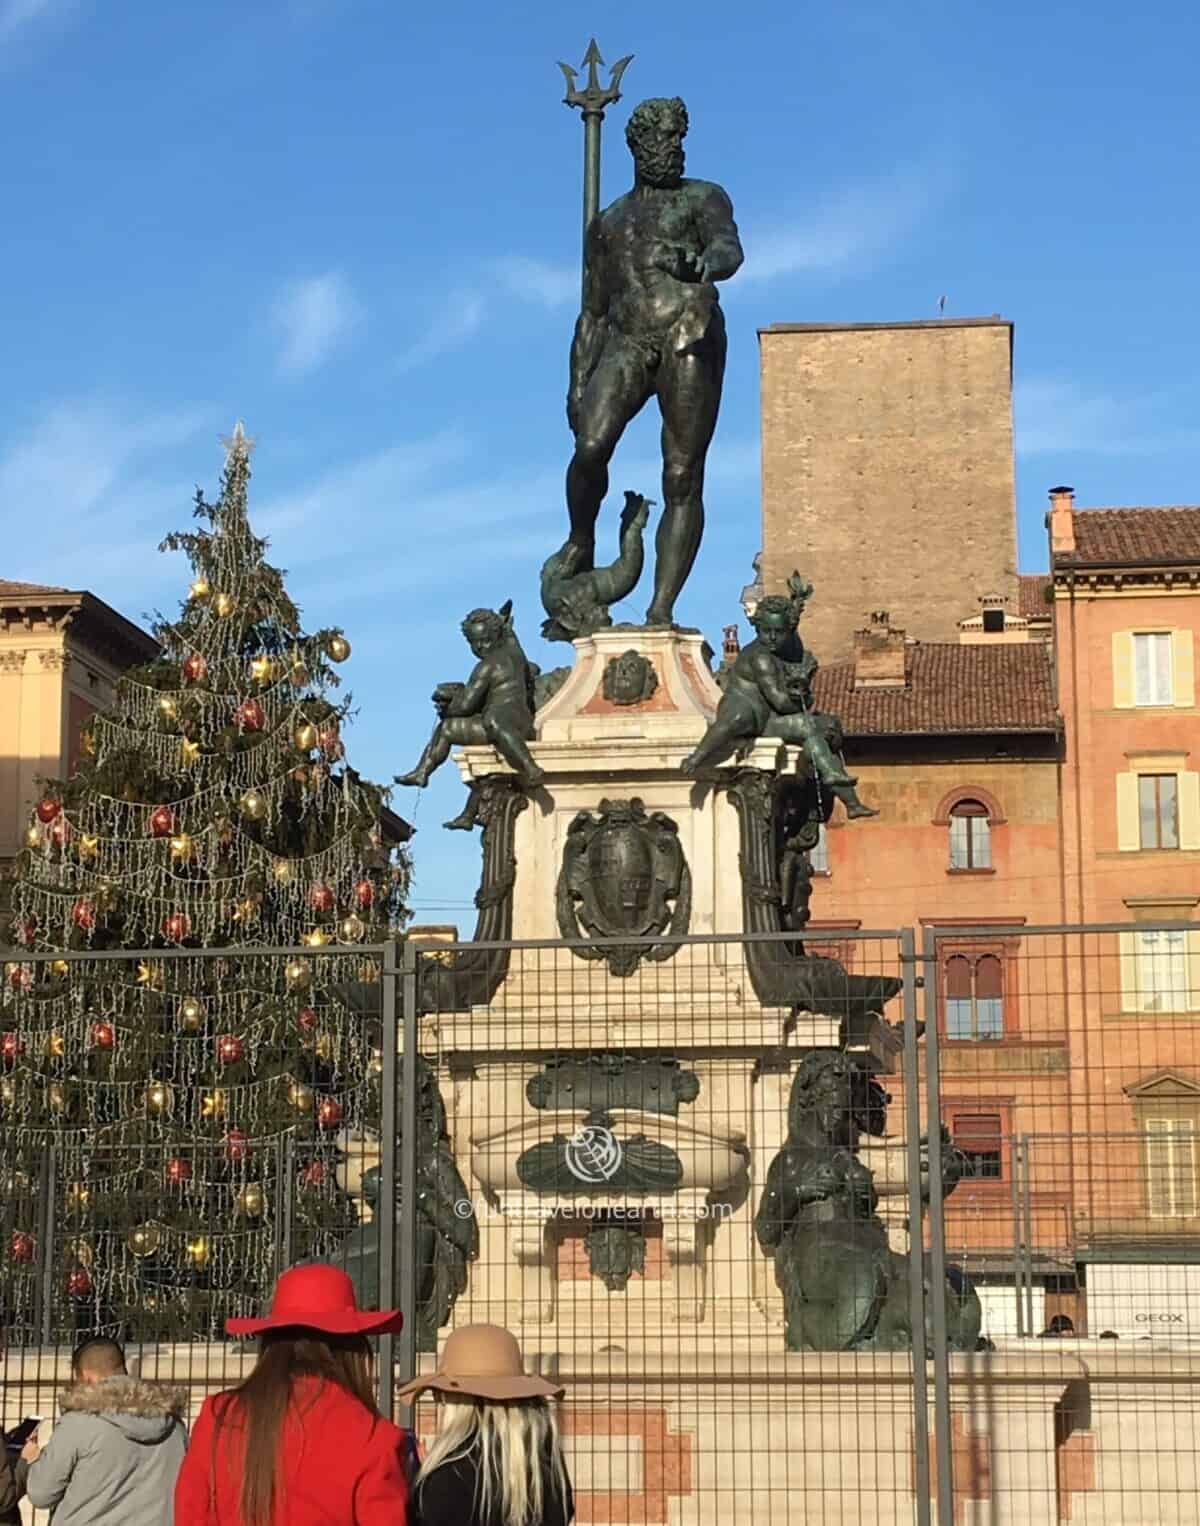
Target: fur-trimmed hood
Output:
[(145, 1412)]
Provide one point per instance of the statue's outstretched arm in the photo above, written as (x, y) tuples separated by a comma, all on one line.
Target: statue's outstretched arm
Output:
[(722, 254)]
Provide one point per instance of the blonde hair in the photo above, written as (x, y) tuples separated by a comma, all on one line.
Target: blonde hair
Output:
[(510, 1442)]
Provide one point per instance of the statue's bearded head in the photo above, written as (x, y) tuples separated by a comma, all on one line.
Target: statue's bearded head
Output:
[(483, 629), (655, 133)]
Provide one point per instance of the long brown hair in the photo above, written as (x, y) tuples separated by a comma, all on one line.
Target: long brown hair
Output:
[(259, 1405)]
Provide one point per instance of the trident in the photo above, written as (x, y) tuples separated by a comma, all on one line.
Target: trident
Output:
[(592, 100)]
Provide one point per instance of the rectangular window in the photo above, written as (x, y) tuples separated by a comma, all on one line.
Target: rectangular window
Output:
[(1152, 676), (1158, 810), (818, 858), (980, 1137), (1171, 1168), (1162, 971)]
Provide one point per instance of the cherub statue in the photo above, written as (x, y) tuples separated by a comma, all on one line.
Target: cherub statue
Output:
[(494, 705), (769, 693), (576, 598)]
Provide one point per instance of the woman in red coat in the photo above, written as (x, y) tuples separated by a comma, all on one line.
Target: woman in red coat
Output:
[(300, 1442)]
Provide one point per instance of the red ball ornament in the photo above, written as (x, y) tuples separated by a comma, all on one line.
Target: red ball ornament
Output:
[(48, 808), (230, 1049), (313, 1174), (195, 668), (104, 1036), (79, 1283), (25, 932), (20, 977), (306, 1019), (162, 821), (330, 1113), (364, 893), (250, 716), (237, 1146), (83, 914), (21, 1247), (176, 926), (320, 897), (178, 1171), (12, 1047)]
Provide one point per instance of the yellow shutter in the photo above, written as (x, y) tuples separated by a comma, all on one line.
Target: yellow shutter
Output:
[(1193, 970), (1122, 662), (1131, 1000), (1189, 810), (1184, 669), (1129, 838)]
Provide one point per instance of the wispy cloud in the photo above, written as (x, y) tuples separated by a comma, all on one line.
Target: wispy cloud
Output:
[(850, 229), (1056, 416), (538, 281), (460, 317), (104, 470), (313, 316), (16, 15)]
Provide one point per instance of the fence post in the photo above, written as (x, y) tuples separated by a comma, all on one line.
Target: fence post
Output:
[(916, 1238), (407, 1282), (386, 1201), (937, 1239)]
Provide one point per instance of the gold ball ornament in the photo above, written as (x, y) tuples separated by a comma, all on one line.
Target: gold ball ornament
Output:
[(167, 707), (55, 1046), (143, 1240), (316, 937), (88, 848), (199, 1251), (213, 1104), (159, 1098), (306, 737), (246, 911), (301, 1097), (352, 929), (283, 871), (297, 975), (297, 671), (252, 1201), (224, 604), (323, 1047), (78, 1196), (56, 1097), (253, 805), (33, 837), (82, 1252), (60, 969), (191, 1014), (87, 743), (262, 670), (183, 849), (200, 590), (191, 752), (338, 648), (8, 1092)]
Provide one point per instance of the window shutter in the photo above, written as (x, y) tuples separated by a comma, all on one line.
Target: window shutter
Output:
[(958, 978), (1128, 831), (1122, 664), (1193, 971), (1189, 810), (1185, 669), (1131, 1000), (978, 1132), (1158, 1167)]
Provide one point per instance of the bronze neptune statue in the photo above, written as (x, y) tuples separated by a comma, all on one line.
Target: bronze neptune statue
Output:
[(651, 326)]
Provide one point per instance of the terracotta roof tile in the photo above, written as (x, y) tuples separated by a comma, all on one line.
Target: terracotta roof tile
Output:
[(1032, 603), (951, 689), (16, 590), (1130, 536)]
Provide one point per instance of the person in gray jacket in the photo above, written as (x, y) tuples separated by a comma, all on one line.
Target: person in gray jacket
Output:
[(116, 1449)]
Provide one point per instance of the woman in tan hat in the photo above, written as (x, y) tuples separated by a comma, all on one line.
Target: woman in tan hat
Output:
[(496, 1460), (300, 1441)]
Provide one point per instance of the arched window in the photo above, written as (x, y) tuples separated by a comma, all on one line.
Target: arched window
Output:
[(974, 997), (970, 836)]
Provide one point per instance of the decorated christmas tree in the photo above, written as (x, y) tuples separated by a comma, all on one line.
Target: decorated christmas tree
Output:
[(171, 1124)]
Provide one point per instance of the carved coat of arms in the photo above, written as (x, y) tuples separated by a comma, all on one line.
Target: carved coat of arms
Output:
[(624, 874), (629, 679)]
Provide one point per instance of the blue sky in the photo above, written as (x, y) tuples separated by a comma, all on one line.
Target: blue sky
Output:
[(355, 223)]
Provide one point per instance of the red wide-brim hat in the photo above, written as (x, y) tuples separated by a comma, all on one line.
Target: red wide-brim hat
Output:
[(318, 1297)]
